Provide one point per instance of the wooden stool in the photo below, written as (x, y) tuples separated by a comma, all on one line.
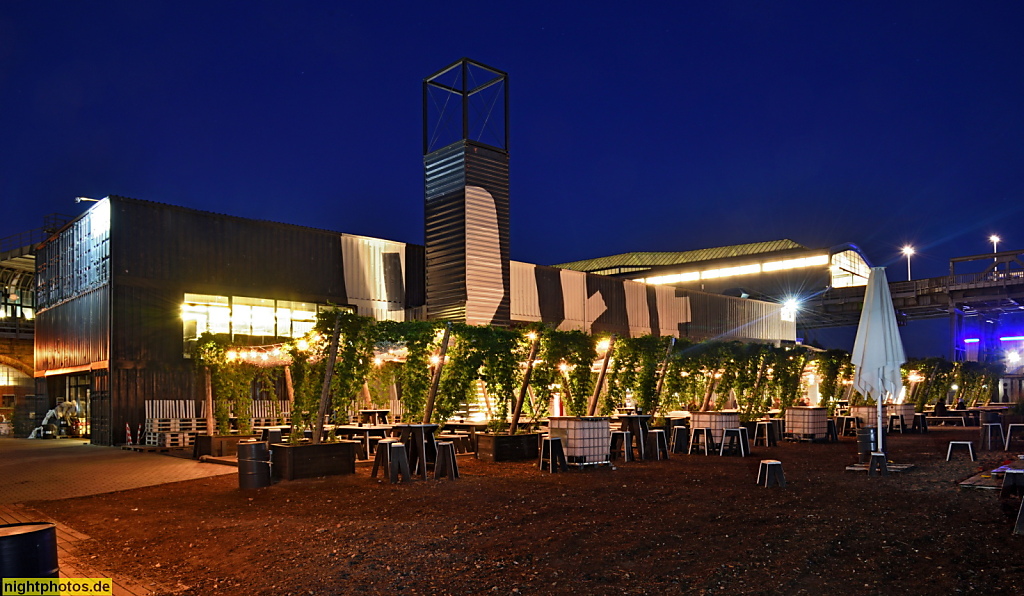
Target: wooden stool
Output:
[(878, 463), (1013, 482), (770, 471), (445, 463), (680, 438), (737, 441), (986, 434), (701, 437), (896, 422), (391, 455), (968, 444), (920, 423), (462, 442), (656, 439), (622, 441), (551, 451), (765, 431), (831, 435)]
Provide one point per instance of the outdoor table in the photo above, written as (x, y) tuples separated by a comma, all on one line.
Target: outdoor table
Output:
[(363, 433), (419, 441), (462, 425), (636, 424), (374, 416)]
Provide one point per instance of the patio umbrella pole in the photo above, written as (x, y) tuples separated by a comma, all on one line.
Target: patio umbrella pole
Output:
[(428, 410), (522, 390)]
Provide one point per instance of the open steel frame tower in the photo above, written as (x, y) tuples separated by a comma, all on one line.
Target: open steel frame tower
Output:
[(466, 190)]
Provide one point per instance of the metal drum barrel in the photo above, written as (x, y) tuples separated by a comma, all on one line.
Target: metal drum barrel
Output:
[(867, 442), (28, 550), (253, 465)]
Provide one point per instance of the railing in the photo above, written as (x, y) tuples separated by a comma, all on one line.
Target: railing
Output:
[(51, 223)]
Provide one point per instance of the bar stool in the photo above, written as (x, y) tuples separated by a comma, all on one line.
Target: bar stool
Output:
[(1013, 481), (765, 431), (701, 437), (770, 471), (848, 425), (896, 422), (920, 424), (445, 464), (878, 462), (391, 455), (968, 444), (551, 451), (656, 439), (680, 438), (622, 442), (737, 441), (986, 434), (1009, 434), (831, 435)]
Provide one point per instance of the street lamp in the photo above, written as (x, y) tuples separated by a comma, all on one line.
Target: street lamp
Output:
[(908, 251), (86, 199), (995, 242)]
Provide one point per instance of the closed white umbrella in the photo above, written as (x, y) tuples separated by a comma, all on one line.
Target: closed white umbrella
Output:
[(878, 350)]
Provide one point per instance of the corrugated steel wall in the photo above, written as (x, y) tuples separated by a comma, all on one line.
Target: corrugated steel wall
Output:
[(728, 318)]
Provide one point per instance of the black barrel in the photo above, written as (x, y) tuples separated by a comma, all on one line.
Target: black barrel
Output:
[(28, 550), (866, 443), (253, 465)]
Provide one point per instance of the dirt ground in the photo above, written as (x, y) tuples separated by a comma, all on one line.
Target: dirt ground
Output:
[(693, 524)]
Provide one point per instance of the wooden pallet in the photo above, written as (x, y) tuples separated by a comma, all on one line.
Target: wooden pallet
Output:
[(175, 425)]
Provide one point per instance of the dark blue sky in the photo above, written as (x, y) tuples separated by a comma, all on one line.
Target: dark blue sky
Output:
[(671, 126)]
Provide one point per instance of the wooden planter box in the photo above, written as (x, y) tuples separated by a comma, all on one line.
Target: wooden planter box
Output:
[(218, 446), (507, 447), (313, 461)]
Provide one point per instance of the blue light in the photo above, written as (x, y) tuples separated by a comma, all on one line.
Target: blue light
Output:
[(1012, 338), (972, 340)]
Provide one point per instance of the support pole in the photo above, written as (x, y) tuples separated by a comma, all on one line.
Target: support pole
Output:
[(428, 410), (325, 393), (518, 409), (592, 406)]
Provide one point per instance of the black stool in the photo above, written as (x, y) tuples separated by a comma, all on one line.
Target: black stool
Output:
[(878, 463), (765, 431), (680, 438), (391, 455), (896, 421), (656, 439), (770, 471), (1013, 482), (701, 437), (737, 441), (920, 424), (831, 435), (622, 441), (551, 451), (445, 464)]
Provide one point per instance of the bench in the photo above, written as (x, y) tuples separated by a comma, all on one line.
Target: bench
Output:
[(956, 420)]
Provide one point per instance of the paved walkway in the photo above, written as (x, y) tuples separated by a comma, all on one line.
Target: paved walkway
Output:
[(44, 470)]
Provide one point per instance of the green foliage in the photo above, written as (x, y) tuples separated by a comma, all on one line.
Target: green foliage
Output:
[(419, 338), (232, 383), (834, 367), (635, 370), (483, 353), (577, 351)]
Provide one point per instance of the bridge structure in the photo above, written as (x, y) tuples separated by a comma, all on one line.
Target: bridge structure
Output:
[(983, 296)]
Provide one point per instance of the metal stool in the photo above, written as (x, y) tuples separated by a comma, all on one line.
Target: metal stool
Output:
[(896, 422), (737, 441), (551, 451), (770, 471), (879, 463), (680, 438), (622, 441), (445, 463), (920, 423), (1009, 434), (701, 437), (1013, 482), (848, 425), (656, 439), (391, 455), (968, 444), (765, 431), (986, 434), (831, 435)]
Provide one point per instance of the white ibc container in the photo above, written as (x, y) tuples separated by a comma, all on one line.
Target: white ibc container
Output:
[(804, 420), (716, 421)]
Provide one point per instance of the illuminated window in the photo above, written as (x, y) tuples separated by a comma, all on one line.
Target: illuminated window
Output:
[(245, 316), (849, 269)]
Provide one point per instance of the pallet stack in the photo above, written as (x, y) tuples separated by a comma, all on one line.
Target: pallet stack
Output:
[(173, 432)]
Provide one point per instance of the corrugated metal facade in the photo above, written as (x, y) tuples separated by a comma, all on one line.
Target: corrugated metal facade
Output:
[(467, 234), (592, 303), (720, 317)]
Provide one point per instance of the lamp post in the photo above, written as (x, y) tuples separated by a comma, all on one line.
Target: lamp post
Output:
[(908, 251), (995, 244)]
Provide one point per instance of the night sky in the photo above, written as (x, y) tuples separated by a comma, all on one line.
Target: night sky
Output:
[(664, 126)]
